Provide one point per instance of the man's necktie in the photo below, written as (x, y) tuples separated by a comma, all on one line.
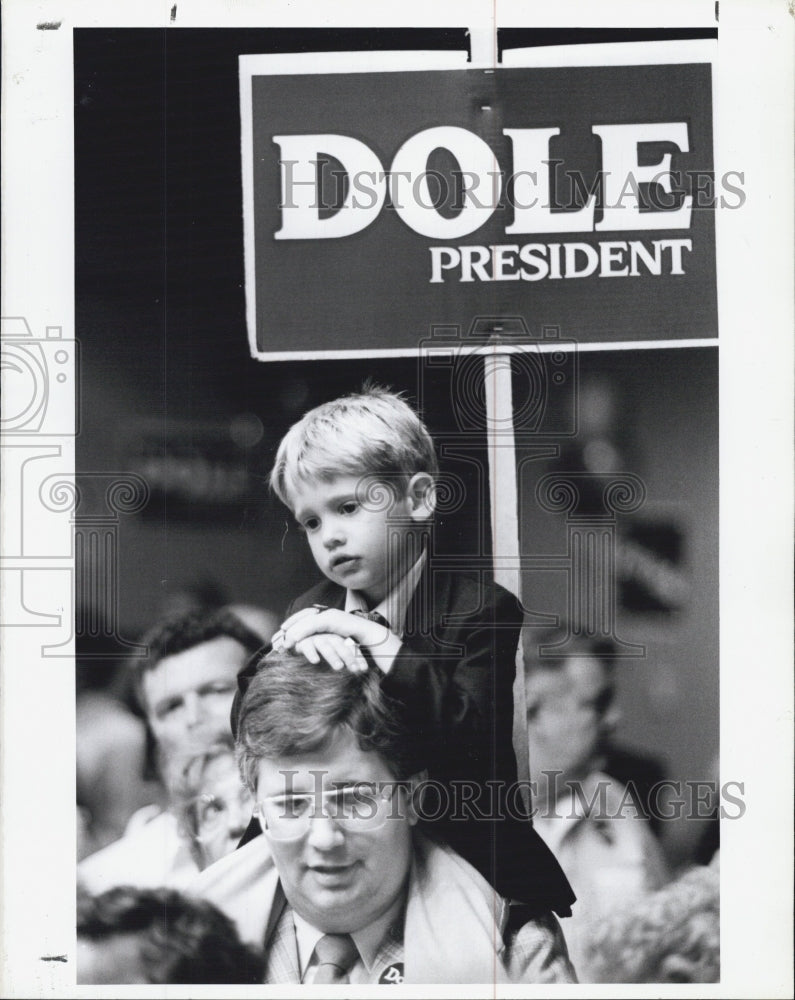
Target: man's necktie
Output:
[(337, 954)]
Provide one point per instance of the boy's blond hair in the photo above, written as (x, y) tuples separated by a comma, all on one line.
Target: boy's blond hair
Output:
[(371, 433)]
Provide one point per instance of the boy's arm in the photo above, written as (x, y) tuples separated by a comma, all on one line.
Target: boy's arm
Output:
[(456, 679), (336, 637), (458, 684)]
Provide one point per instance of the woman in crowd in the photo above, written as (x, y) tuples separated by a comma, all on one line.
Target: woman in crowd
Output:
[(213, 806)]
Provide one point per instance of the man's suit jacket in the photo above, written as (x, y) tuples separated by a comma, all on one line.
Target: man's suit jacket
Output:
[(455, 673), (453, 928), (527, 955)]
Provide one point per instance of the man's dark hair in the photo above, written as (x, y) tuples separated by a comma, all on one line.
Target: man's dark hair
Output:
[(182, 940), (294, 707), (177, 634)]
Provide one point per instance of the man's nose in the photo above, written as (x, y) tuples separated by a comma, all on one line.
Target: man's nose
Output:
[(324, 834), (612, 718), (194, 709)]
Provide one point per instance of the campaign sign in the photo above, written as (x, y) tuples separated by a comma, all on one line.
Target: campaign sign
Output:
[(378, 204)]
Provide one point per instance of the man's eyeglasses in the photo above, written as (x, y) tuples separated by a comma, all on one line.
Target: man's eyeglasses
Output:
[(359, 808)]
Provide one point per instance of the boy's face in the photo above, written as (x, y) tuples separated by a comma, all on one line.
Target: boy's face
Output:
[(348, 536)]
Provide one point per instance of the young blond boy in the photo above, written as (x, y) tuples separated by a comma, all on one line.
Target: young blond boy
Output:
[(359, 474)]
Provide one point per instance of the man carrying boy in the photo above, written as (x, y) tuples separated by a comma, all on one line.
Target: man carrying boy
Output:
[(359, 475), (345, 886)]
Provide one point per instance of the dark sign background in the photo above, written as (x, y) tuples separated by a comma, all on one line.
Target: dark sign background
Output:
[(371, 290)]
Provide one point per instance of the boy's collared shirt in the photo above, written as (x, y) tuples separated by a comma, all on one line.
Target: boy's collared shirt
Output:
[(393, 608)]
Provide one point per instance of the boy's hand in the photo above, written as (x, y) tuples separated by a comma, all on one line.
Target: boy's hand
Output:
[(339, 653), (315, 628)]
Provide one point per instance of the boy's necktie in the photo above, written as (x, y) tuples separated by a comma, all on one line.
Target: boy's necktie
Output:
[(337, 954), (374, 616)]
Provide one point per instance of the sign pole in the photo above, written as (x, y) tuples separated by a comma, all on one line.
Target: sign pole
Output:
[(501, 446), (503, 493)]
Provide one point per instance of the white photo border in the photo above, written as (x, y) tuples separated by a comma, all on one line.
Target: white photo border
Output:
[(753, 132)]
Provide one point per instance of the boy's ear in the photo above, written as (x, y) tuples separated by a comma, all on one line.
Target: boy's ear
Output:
[(421, 496)]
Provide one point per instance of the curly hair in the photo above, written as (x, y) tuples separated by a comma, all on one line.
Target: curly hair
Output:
[(672, 935), (188, 782), (294, 707), (181, 940)]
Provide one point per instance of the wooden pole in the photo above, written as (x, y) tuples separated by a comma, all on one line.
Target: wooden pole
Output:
[(503, 489)]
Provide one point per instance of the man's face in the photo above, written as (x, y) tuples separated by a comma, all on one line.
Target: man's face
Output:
[(188, 696), (348, 538), (570, 718), (337, 878)]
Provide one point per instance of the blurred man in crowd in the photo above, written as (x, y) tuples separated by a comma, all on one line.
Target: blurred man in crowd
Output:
[(185, 685), (588, 818)]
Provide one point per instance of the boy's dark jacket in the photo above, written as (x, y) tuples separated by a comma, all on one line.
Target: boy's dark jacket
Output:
[(455, 672)]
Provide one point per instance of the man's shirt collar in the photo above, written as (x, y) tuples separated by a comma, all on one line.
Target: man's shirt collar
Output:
[(367, 940)]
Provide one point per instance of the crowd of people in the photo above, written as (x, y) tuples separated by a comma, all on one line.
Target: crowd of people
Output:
[(336, 799)]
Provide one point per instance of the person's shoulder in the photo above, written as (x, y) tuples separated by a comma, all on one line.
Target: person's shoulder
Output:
[(535, 948), (242, 885), (151, 854), (156, 818), (476, 594), (324, 592), (613, 797), (631, 845)]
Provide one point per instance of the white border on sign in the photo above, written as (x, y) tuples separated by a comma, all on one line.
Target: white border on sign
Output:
[(538, 346), (311, 63)]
